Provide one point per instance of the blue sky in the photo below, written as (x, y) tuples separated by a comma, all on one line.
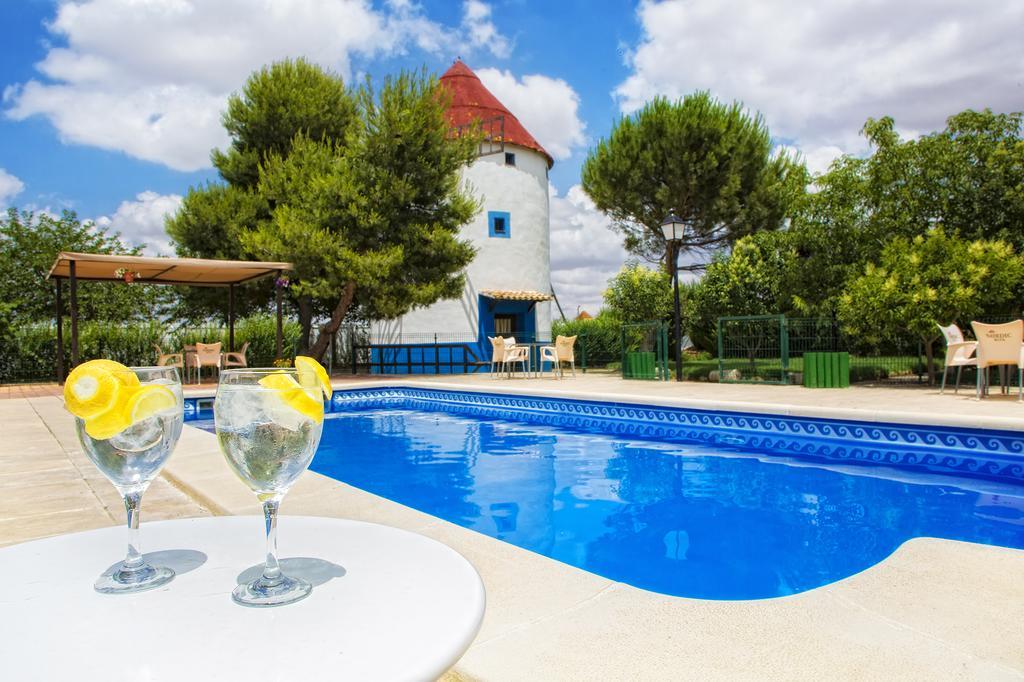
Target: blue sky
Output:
[(110, 107)]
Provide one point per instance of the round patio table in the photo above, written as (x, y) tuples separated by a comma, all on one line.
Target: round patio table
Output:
[(386, 604)]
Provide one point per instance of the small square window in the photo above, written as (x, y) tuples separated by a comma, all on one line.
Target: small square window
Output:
[(510, 159), (499, 224)]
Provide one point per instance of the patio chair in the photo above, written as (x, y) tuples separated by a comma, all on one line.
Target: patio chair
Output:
[(206, 355), (959, 354), (516, 354), (169, 359), (550, 354), (497, 355), (236, 358), (1000, 345), (565, 350)]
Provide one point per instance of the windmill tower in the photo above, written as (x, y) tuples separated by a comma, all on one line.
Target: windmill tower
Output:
[(508, 284)]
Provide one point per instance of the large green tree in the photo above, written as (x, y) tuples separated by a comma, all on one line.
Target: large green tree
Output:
[(710, 162), (969, 177), (279, 102), (933, 278), (369, 216), (29, 243)]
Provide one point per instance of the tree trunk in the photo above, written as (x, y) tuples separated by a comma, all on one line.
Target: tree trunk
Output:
[(305, 324), (323, 339)]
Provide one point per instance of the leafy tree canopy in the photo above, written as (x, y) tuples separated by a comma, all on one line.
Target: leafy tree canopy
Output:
[(710, 162), (369, 215), (278, 102), (639, 294), (29, 243), (969, 177), (932, 278)]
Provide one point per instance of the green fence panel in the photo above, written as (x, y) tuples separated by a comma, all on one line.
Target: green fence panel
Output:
[(810, 370), (844, 370)]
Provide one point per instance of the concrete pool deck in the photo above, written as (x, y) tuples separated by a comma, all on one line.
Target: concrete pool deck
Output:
[(935, 609)]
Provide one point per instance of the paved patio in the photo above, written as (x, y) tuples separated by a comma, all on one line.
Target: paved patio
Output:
[(935, 609)]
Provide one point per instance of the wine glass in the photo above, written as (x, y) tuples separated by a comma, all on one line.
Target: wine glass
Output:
[(129, 441), (268, 427)]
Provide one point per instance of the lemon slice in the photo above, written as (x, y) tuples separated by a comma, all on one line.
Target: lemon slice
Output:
[(94, 387), (292, 394), (149, 401), (312, 374), (108, 424)]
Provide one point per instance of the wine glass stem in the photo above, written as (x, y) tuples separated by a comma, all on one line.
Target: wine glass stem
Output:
[(132, 505), (272, 570)]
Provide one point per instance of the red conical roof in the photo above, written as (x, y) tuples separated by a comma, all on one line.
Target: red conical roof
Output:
[(471, 101)]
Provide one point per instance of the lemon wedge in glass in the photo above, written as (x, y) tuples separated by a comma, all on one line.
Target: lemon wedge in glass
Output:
[(291, 393), (313, 375), (95, 387)]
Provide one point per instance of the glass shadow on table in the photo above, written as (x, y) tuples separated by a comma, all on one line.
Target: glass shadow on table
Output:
[(181, 561), (312, 570)]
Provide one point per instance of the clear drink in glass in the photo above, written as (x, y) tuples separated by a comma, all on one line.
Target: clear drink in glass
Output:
[(268, 427), (129, 441)]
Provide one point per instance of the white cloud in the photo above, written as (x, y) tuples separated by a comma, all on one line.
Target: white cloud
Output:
[(142, 221), (10, 187), (480, 30), (584, 251), (150, 78), (547, 107), (818, 70)]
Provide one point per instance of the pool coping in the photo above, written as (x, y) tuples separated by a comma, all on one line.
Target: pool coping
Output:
[(562, 390)]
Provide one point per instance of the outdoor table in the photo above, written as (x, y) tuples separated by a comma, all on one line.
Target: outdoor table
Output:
[(386, 604)]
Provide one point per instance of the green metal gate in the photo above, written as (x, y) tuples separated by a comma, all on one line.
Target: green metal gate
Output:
[(753, 349), (645, 351)]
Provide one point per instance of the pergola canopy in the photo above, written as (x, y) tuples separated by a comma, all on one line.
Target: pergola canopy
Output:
[(197, 272)]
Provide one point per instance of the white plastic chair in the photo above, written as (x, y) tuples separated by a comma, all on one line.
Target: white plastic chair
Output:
[(550, 354), (236, 358), (516, 354), (959, 354), (497, 355), (169, 359), (1000, 344), (206, 355)]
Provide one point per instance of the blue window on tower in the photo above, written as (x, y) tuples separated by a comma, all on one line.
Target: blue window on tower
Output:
[(499, 224)]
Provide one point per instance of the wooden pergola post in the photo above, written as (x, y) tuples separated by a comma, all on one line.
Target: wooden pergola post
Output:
[(74, 314), (280, 324), (60, 332), (231, 318)]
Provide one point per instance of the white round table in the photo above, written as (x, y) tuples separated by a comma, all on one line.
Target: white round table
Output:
[(386, 604)]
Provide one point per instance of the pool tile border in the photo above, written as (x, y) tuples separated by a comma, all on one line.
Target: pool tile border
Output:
[(983, 453)]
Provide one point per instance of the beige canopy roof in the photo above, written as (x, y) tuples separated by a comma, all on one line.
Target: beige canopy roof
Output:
[(515, 295), (200, 272)]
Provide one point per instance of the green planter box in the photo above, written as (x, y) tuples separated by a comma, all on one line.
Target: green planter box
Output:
[(639, 366), (826, 370)]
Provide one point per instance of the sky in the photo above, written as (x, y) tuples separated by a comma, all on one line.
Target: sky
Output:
[(110, 107)]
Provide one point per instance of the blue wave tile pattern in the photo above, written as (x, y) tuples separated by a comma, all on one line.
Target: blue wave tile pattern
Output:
[(988, 454)]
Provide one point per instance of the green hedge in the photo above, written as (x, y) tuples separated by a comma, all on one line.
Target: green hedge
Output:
[(600, 338), (27, 352)]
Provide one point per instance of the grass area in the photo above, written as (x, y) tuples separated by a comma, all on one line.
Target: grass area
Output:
[(862, 368)]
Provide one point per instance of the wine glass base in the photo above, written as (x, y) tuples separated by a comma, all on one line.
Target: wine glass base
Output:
[(145, 578), (259, 593)]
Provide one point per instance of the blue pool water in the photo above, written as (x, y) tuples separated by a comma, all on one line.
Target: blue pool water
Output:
[(703, 521)]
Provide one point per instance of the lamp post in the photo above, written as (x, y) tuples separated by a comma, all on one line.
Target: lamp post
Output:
[(672, 227)]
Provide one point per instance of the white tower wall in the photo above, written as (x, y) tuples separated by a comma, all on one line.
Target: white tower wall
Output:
[(520, 262)]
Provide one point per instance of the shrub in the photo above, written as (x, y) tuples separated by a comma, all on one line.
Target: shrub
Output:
[(599, 338)]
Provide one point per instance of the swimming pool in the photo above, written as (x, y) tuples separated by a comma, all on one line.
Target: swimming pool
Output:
[(684, 502)]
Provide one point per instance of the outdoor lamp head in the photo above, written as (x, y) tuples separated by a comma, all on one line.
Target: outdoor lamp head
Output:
[(672, 227)]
